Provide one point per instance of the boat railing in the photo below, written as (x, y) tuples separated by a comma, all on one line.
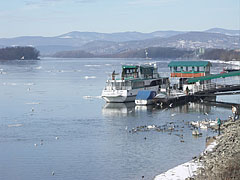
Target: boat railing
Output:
[(110, 88)]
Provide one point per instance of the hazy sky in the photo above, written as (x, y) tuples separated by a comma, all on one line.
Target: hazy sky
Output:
[(55, 17)]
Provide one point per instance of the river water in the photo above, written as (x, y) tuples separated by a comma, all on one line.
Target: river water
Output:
[(52, 119)]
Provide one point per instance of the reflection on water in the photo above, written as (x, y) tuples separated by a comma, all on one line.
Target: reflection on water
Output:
[(118, 109), (193, 107), (129, 109)]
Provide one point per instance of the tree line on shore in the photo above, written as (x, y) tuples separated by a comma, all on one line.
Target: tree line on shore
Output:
[(27, 53), (18, 52), (221, 54), (159, 52)]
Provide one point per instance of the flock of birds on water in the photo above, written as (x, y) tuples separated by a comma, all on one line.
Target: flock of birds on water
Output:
[(169, 127)]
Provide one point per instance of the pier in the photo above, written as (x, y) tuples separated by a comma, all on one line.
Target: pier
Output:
[(195, 82)]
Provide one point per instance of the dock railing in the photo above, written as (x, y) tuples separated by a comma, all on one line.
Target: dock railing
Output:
[(204, 87), (211, 86)]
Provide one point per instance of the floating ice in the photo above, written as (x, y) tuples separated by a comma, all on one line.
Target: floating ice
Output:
[(15, 125), (92, 97), (90, 77), (9, 84), (92, 65), (28, 84), (39, 67), (33, 103)]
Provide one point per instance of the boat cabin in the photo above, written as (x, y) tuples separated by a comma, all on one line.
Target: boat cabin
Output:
[(139, 71)]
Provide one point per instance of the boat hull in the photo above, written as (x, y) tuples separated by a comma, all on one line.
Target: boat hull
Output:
[(119, 99), (121, 96)]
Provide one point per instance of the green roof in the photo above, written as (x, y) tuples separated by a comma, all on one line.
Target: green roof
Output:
[(188, 63), (215, 76), (129, 66), (136, 66)]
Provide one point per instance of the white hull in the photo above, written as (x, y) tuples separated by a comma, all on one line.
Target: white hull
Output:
[(119, 99), (120, 96)]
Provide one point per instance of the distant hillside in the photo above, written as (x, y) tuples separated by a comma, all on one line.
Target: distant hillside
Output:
[(112, 43), (190, 40), (224, 31), (14, 53)]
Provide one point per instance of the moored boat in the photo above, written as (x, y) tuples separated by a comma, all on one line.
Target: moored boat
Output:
[(145, 97), (133, 79)]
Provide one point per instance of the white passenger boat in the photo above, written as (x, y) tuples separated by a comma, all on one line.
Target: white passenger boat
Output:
[(133, 79)]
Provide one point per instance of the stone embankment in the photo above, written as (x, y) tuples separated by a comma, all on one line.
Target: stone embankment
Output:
[(223, 162)]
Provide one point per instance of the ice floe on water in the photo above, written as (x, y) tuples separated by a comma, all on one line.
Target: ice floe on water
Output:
[(28, 84), (63, 71), (9, 84), (92, 97), (90, 77), (15, 125), (33, 103), (39, 67), (92, 65)]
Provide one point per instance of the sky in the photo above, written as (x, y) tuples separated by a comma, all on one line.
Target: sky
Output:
[(55, 17)]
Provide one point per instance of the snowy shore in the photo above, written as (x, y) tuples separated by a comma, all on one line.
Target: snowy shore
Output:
[(186, 170)]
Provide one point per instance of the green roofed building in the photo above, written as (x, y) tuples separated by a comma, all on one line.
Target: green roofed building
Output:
[(185, 70), (189, 69)]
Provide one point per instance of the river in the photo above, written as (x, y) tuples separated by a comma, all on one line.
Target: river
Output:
[(54, 124)]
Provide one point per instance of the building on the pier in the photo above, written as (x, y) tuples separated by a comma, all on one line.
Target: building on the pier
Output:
[(183, 70)]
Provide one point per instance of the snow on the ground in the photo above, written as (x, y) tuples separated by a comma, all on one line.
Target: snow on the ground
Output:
[(185, 170), (180, 172)]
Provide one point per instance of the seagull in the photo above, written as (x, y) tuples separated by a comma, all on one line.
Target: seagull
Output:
[(53, 173), (126, 128), (56, 138), (32, 109), (35, 145), (170, 105)]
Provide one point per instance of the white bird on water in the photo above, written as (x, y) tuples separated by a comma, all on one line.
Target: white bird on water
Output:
[(56, 138), (170, 105)]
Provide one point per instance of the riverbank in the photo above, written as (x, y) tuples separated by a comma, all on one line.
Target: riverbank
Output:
[(188, 169), (220, 160), (224, 161)]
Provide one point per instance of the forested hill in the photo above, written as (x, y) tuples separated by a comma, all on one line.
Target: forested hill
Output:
[(13, 53)]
